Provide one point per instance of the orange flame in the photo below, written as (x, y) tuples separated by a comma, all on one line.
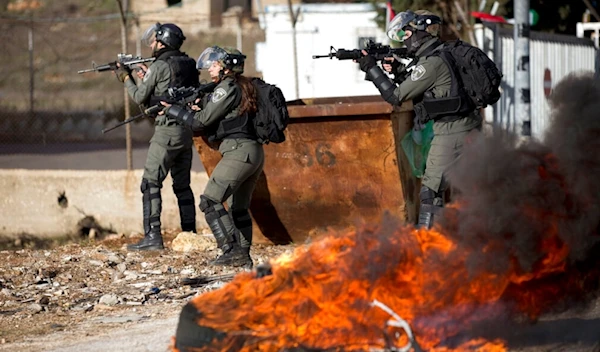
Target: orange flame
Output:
[(320, 297)]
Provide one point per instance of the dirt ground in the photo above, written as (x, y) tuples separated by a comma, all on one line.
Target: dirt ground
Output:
[(93, 295), (96, 294)]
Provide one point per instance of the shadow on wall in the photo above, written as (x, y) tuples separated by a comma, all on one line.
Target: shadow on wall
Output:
[(266, 217)]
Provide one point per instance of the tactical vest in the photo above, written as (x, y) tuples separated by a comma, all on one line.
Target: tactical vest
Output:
[(183, 72), (233, 127)]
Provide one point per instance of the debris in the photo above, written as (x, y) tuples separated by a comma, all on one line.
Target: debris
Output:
[(61, 286)]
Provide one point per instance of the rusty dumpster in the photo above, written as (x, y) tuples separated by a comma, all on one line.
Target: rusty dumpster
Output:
[(341, 164)]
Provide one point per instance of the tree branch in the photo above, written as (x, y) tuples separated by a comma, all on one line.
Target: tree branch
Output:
[(592, 9)]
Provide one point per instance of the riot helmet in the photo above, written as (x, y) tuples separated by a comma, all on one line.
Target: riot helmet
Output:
[(229, 58), (409, 20), (168, 34)]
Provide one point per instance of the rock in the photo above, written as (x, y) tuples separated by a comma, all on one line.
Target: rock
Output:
[(95, 262), (114, 259), (109, 300), (189, 241), (35, 308)]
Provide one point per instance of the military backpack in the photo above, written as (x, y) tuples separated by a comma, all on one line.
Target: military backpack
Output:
[(476, 73), (272, 116)]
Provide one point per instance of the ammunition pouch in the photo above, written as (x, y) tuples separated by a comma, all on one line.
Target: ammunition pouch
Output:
[(445, 109), (449, 108)]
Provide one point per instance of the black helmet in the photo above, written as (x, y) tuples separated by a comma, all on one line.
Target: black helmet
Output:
[(169, 34)]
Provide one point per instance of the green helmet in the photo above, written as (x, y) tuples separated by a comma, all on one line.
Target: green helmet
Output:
[(229, 58), (234, 60)]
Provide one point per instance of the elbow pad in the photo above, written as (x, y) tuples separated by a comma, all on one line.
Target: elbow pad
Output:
[(383, 83), (183, 116)]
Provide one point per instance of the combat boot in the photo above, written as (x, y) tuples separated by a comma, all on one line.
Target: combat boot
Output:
[(431, 207), (425, 219), (152, 241), (236, 256)]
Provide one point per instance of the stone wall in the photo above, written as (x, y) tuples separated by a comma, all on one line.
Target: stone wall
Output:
[(51, 203)]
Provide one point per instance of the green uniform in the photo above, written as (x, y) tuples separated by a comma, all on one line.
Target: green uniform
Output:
[(430, 73), (235, 176), (170, 151)]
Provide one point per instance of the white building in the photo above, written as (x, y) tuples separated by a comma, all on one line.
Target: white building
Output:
[(318, 27)]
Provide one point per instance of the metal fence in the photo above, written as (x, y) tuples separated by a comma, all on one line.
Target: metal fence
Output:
[(552, 57), (46, 105)]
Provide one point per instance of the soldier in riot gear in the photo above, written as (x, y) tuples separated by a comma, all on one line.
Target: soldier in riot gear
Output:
[(225, 116), (429, 77), (171, 145)]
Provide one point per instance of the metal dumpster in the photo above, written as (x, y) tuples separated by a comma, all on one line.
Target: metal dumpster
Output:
[(341, 164)]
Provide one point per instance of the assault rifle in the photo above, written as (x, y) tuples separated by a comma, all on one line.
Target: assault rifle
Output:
[(123, 59), (377, 50), (180, 96)]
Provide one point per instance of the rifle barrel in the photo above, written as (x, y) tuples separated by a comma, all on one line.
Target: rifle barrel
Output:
[(322, 56), (131, 119)]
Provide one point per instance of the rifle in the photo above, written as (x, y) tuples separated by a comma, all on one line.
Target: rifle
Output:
[(377, 50), (123, 59), (181, 96)]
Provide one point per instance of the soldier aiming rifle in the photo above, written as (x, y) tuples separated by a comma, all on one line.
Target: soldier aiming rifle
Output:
[(123, 59), (376, 50), (398, 60)]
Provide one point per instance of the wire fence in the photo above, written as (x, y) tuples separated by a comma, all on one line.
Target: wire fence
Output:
[(46, 105)]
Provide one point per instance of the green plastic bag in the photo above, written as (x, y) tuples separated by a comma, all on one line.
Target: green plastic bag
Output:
[(416, 146)]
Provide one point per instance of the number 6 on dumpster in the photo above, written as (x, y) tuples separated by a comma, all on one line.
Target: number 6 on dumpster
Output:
[(322, 155)]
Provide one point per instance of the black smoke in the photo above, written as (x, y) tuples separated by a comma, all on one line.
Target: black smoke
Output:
[(515, 195)]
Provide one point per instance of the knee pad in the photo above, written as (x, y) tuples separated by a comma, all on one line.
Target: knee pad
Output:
[(207, 205), (427, 195), (211, 209), (146, 185)]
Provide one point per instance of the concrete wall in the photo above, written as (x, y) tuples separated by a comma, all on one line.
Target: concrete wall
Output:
[(30, 201)]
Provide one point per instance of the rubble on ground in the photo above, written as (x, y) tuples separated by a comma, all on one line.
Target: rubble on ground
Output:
[(45, 290)]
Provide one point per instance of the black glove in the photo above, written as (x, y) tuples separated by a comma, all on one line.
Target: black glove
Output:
[(122, 72), (366, 62), (397, 66)]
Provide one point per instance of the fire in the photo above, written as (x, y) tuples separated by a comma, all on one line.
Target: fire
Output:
[(321, 297), (522, 237)]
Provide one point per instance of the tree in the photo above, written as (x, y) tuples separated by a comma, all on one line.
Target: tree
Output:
[(554, 16), (456, 14), (559, 17)]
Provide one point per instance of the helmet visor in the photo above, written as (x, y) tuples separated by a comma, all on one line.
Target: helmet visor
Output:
[(208, 56), (150, 34), (395, 30)]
